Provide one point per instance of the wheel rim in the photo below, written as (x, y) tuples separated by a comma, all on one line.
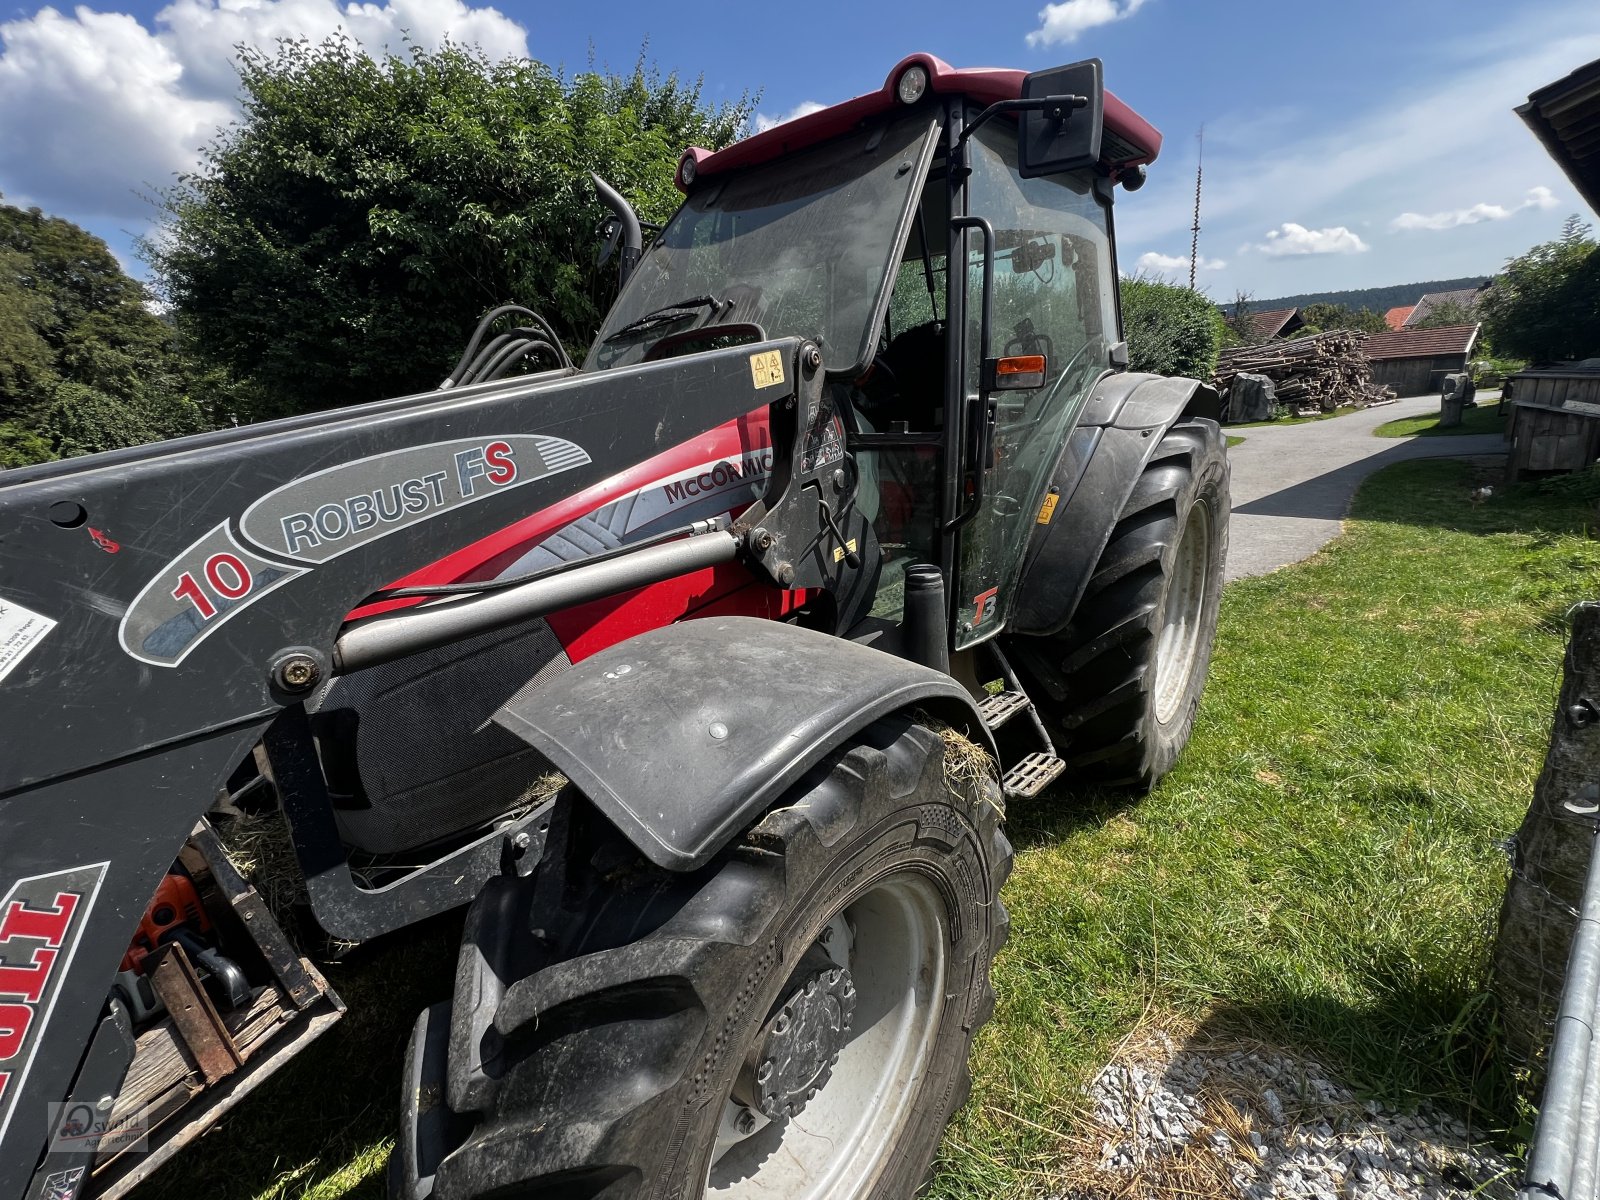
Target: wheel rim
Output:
[(1178, 647), (837, 1145)]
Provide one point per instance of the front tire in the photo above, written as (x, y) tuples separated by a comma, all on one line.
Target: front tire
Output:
[(792, 1021), (1118, 687)]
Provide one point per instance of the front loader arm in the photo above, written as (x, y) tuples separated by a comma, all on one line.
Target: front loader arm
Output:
[(150, 598)]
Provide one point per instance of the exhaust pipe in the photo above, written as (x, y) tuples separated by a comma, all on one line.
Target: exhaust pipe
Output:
[(629, 234)]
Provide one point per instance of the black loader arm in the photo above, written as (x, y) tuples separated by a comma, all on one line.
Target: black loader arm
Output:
[(683, 736), (1121, 426), (147, 596)]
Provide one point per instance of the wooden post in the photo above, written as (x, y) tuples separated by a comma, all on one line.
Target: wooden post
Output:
[(1551, 854)]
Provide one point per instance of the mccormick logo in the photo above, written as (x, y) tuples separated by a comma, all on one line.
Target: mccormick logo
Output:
[(41, 920), (318, 517)]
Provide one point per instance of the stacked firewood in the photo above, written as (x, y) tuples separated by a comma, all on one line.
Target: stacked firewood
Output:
[(1318, 373)]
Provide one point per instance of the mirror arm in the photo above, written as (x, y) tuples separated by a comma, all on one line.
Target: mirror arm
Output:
[(1055, 108)]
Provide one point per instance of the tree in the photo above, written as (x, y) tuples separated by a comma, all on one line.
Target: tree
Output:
[(1546, 306), (1446, 313), (1319, 318), (1171, 330), (1238, 328), (84, 364), (345, 235)]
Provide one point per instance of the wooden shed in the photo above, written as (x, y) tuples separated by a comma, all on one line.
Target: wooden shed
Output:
[(1555, 419), (1414, 362)]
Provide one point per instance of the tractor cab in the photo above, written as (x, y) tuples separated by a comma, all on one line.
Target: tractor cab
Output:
[(953, 390)]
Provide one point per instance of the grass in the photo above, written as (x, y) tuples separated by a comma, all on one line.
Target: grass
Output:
[(1342, 410), (1320, 870), (1483, 419), (1233, 441)]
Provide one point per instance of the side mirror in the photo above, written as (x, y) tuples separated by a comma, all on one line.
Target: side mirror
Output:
[(1062, 137)]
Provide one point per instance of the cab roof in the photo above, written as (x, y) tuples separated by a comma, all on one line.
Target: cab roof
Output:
[(1129, 140)]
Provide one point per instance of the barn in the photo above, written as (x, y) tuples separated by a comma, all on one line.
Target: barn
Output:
[(1414, 362)]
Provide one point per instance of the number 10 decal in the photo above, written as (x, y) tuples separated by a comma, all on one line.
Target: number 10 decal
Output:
[(196, 592), (228, 577)]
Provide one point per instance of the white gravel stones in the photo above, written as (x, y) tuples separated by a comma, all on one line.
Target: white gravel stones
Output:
[(1259, 1123)]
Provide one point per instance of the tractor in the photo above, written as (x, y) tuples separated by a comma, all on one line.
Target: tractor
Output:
[(695, 679)]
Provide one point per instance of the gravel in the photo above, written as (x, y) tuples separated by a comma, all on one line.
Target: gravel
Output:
[(1256, 1122)]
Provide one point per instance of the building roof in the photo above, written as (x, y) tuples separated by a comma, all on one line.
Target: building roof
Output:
[(1466, 297), (1420, 343), (1396, 317), (1565, 116), (1273, 322)]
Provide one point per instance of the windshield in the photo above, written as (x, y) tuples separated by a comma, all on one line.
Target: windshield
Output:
[(800, 247)]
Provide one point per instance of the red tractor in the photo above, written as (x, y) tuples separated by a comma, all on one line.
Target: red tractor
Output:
[(699, 675)]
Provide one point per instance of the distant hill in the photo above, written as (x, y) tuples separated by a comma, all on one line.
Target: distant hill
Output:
[(1379, 299)]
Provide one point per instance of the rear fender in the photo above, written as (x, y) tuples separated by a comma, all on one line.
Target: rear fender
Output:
[(1124, 421), (682, 737)]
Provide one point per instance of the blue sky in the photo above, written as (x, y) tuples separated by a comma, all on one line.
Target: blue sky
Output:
[(1348, 145)]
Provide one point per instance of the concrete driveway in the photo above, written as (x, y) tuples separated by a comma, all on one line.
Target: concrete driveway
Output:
[(1292, 484)]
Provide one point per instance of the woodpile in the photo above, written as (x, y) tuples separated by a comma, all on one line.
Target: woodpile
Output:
[(1311, 374)]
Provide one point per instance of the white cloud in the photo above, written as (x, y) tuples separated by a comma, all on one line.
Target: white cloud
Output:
[(97, 105), (1067, 21), (1539, 197), (1291, 239), (1162, 264), (805, 108)]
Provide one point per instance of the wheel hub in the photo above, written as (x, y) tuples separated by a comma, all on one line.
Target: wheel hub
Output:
[(801, 1043)]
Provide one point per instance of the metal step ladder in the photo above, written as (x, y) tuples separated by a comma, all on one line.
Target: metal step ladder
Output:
[(1035, 771)]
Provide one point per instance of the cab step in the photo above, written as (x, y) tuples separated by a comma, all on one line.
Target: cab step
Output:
[(1032, 775), (999, 708)]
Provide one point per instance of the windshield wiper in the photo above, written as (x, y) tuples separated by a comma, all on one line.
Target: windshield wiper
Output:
[(676, 311)]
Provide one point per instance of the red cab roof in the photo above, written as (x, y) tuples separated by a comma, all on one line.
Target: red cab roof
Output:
[(1129, 140)]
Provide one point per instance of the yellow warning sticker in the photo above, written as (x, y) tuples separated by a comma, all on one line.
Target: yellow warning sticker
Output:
[(838, 553), (766, 368), (1048, 508)]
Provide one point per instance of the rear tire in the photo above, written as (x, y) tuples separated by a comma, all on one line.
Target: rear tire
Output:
[(655, 1027), (1119, 685)]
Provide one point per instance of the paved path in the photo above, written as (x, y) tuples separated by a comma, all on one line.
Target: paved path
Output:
[(1292, 484)]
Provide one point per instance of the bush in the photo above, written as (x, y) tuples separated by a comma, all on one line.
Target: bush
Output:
[(1171, 330), (20, 446), (84, 421)]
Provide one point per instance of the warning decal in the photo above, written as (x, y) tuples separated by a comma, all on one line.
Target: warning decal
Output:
[(21, 630)]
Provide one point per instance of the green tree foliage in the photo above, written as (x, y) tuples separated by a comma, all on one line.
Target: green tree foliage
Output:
[(1446, 313), (84, 365), (1171, 330), (1546, 307), (1319, 318), (345, 235)]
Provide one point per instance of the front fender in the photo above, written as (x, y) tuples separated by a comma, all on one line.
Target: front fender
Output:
[(683, 736), (1123, 422)]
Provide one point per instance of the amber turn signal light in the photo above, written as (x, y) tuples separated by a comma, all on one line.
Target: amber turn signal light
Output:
[(1017, 372)]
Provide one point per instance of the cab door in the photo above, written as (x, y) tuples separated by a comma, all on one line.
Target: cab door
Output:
[(1054, 294)]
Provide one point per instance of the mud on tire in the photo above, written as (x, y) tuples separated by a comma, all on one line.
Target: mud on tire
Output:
[(617, 1029), (1119, 685)]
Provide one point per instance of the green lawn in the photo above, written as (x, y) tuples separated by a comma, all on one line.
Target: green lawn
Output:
[(1483, 419), (1233, 441), (1320, 871), (1327, 416)]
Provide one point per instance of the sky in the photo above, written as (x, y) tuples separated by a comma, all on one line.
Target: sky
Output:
[(1361, 144)]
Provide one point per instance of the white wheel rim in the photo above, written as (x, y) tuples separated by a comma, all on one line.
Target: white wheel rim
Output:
[(839, 1144), (1178, 646)]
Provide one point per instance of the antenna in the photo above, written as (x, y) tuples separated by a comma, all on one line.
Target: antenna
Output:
[(1199, 167)]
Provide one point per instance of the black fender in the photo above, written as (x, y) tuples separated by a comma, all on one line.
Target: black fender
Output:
[(1122, 423), (684, 736)]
